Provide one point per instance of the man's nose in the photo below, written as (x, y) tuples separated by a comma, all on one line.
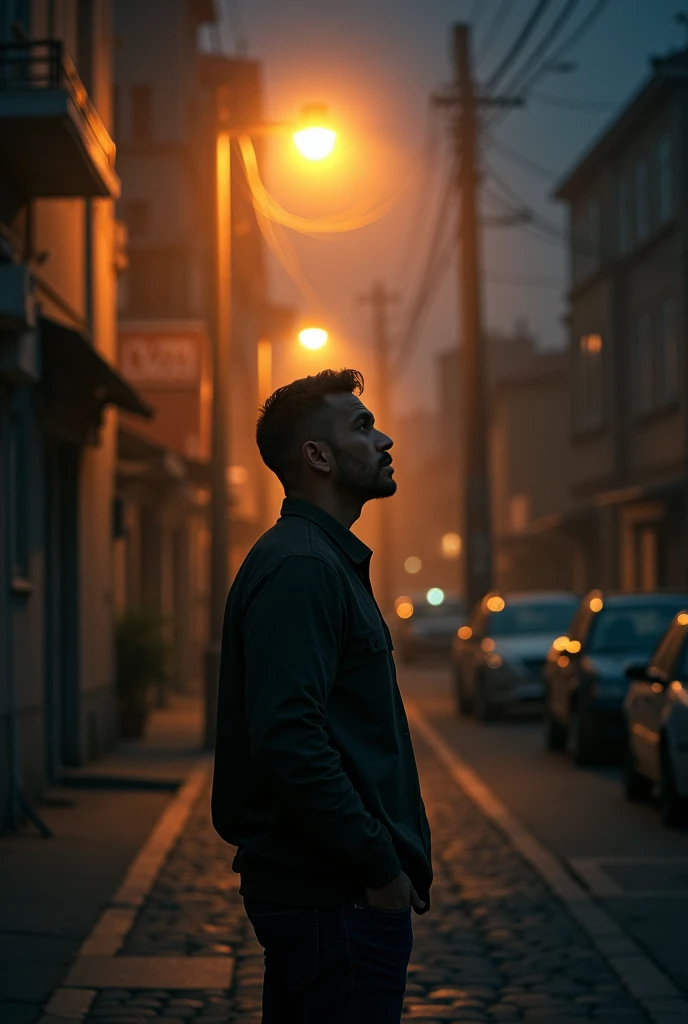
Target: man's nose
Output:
[(384, 443)]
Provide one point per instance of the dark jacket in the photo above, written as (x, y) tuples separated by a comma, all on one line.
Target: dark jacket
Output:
[(315, 777)]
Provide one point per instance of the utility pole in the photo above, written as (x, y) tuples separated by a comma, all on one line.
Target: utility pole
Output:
[(379, 299), (474, 390)]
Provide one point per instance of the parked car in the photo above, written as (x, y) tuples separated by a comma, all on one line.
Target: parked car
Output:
[(656, 710), (499, 655), (585, 673), (426, 625)]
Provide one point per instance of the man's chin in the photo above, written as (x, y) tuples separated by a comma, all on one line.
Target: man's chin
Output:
[(386, 489)]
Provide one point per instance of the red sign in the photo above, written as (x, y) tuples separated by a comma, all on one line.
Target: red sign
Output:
[(168, 363)]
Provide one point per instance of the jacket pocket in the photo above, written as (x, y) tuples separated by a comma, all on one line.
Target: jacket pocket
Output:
[(373, 642), (290, 941)]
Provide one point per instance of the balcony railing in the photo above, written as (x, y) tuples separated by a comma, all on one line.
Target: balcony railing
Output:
[(41, 68)]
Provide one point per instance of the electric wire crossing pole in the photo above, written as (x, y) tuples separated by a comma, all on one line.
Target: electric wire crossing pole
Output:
[(379, 299)]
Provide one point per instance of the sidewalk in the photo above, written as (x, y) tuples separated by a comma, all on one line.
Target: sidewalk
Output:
[(51, 891), (498, 946)]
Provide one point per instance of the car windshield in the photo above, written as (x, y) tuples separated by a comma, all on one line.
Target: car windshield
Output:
[(638, 629), (540, 617)]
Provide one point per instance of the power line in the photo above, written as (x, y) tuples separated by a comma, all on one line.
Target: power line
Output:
[(430, 163), (572, 103), (548, 38), (437, 261), (521, 40), (581, 30), (520, 160), (525, 280), (493, 29)]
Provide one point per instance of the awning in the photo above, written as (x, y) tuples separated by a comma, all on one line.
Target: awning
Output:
[(69, 353), (151, 457)]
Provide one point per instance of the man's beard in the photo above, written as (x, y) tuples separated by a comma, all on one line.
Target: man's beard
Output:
[(357, 477)]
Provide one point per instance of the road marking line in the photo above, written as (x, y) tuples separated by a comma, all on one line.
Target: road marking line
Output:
[(648, 984), (98, 950)]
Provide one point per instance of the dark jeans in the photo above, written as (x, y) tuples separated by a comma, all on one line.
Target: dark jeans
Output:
[(332, 965)]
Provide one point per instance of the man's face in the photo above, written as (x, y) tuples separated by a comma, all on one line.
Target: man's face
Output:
[(363, 465)]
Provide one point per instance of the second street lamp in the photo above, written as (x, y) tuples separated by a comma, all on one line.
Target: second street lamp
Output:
[(315, 142)]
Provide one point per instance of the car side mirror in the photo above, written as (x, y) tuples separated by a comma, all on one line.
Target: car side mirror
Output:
[(638, 674)]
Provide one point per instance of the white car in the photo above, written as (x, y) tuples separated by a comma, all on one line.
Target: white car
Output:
[(656, 710)]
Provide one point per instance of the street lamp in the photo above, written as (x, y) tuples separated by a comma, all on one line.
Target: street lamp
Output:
[(313, 139), (313, 338), (315, 142)]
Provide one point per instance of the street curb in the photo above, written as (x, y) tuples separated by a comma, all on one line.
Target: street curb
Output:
[(661, 1000), (72, 1001)]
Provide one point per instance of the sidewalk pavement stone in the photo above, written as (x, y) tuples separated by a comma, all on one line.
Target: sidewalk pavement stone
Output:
[(497, 947)]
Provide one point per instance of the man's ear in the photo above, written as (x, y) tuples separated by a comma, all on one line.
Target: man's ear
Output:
[(317, 456)]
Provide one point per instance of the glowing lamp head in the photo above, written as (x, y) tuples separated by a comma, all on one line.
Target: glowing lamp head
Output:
[(313, 139), (313, 337)]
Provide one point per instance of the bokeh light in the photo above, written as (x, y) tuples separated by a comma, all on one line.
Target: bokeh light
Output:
[(403, 606), (435, 596), (413, 564), (451, 545)]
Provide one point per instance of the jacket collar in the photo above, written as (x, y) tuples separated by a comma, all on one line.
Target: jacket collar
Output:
[(350, 544)]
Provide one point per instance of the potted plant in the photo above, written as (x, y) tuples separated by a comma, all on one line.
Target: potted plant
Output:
[(141, 658)]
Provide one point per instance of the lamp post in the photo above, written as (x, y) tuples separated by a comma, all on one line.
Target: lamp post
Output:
[(314, 142)]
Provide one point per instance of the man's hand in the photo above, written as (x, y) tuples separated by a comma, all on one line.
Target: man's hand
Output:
[(395, 896)]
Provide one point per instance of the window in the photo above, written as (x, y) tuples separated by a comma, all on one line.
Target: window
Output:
[(642, 220), (656, 357), (136, 217), (644, 363), (623, 225), (19, 497), (589, 383), (666, 180), (586, 239), (141, 113), (667, 355)]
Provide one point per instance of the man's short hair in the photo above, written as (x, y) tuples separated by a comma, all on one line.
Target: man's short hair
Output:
[(292, 414)]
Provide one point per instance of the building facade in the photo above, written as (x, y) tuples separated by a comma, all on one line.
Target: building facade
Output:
[(59, 391), (165, 131), (628, 214)]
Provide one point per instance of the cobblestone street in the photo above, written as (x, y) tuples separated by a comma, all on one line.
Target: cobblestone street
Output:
[(497, 945)]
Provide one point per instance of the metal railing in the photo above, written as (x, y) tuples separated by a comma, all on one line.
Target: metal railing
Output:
[(43, 64)]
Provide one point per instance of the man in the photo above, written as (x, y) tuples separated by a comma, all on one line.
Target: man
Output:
[(315, 777)]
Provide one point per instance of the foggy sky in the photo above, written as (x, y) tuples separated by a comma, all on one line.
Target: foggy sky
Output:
[(375, 65)]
